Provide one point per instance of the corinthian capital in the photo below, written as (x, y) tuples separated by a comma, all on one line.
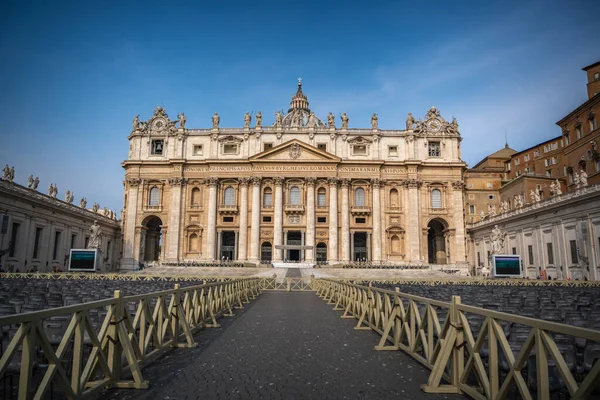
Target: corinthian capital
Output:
[(345, 182), (458, 185), (278, 181), (332, 181), (256, 180), (133, 182), (244, 182), (176, 181), (310, 181), (376, 182), (413, 183), (212, 181)]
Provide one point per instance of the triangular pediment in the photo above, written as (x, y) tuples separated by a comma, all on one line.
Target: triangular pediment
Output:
[(295, 151)]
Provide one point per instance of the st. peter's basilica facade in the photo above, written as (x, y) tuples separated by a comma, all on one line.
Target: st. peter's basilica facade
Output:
[(303, 190)]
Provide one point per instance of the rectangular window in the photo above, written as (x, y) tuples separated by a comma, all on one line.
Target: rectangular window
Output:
[(393, 150), (549, 173), (579, 132), (526, 156), (478, 258), (472, 209), (592, 124), (359, 150), (321, 198), (14, 235), (322, 220), (434, 149), (157, 147), (530, 254), (56, 243), (108, 250), (574, 257), (360, 220), (596, 76), (267, 146), (489, 258), (227, 219), (198, 149), (73, 238), (36, 243), (536, 153), (86, 242), (567, 140), (322, 146), (489, 185), (267, 218), (550, 253), (230, 149), (514, 250)]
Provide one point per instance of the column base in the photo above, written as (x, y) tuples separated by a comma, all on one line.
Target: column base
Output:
[(128, 265)]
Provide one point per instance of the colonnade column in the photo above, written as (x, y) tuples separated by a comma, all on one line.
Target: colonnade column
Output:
[(332, 251), (255, 233), (130, 256), (242, 252), (375, 185), (351, 246), (310, 219), (212, 218), (460, 254), (175, 218), (345, 222), (278, 219), (413, 220)]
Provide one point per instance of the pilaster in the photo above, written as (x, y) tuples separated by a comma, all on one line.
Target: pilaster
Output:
[(332, 251)]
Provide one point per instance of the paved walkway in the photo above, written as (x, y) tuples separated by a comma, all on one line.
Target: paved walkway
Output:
[(284, 345)]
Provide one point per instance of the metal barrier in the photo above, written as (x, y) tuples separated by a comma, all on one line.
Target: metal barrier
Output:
[(128, 337), (83, 276), (439, 336), (286, 284)]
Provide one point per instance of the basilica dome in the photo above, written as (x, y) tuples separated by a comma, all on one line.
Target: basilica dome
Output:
[(299, 115)]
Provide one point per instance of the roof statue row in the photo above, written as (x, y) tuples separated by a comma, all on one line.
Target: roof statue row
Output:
[(298, 116), (8, 175)]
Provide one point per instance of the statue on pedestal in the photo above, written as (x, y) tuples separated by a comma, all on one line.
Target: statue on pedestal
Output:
[(216, 120), (576, 180), (345, 121), (258, 120), (278, 119), (375, 122), (182, 120), (331, 120), (83, 202), (36, 182), (67, 195), (583, 178), (95, 207), (95, 236), (30, 182), (410, 122), (497, 240), (311, 120), (247, 120), (557, 189), (136, 123), (6, 173)]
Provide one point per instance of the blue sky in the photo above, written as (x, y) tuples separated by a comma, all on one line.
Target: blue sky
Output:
[(74, 74)]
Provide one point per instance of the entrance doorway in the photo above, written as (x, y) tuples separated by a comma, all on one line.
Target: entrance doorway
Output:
[(266, 252), (151, 240), (321, 253), (360, 247), (436, 243), (227, 246), (294, 238)]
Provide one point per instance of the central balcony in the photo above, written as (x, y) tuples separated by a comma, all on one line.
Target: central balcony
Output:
[(360, 210), (228, 209), (294, 209)]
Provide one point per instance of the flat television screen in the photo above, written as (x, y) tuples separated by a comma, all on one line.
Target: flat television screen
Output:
[(505, 265), (83, 260)]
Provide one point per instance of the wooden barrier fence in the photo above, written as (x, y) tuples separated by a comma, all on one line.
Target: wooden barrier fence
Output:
[(439, 335), (133, 332)]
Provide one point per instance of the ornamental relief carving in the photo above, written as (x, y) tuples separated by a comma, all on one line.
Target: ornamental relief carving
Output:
[(321, 233), (294, 219), (266, 233)]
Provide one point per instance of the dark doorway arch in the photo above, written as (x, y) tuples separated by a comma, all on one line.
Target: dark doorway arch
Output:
[(321, 253), (151, 240), (436, 241), (266, 252)]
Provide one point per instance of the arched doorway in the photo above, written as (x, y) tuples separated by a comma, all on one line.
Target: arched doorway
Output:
[(151, 240), (436, 242), (321, 253), (266, 252)]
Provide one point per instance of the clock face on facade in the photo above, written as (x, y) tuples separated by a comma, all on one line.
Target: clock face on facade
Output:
[(434, 125), (159, 124)]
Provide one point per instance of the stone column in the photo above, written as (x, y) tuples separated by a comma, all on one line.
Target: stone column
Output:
[(255, 230), (375, 185), (278, 219), (242, 252), (130, 255), (332, 253), (369, 255), (351, 246), (413, 220), (212, 218), (310, 219), (302, 244), (459, 255), (345, 222), (236, 247), (175, 219), (219, 242)]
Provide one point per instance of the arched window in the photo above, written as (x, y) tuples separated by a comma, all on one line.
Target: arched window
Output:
[(154, 198), (268, 197), (395, 244), (193, 243), (266, 251), (321, 197), (195, 196), (295, 196), (359, 197), (436, 198), (394, 200), (228, 196)]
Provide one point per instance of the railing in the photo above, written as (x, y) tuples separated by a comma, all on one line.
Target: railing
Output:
[(360, 210), (156, 208), (294, 208), (287, 284), (228, 208), (133, 332), (440, 336)]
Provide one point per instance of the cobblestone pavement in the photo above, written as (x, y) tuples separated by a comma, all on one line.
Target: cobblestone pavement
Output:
[(284, 345)]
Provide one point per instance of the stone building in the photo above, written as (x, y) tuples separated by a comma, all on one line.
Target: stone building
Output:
[(37, 231), (301, 189)]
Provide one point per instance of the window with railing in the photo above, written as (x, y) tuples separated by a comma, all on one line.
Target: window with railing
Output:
[(359, 197), (434, 149), (321, 197), (268, 197), (229, 196), (295, 195), (436, 198), (154, 197)]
